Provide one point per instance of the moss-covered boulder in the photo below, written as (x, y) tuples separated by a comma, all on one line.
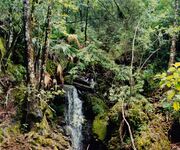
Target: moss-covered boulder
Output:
[(153, 136), (100, 124)]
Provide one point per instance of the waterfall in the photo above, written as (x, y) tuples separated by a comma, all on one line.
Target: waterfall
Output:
[(74, 117)]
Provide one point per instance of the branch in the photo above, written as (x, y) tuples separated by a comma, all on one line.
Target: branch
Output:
[(132, 58), (129, 128), (148, 58)]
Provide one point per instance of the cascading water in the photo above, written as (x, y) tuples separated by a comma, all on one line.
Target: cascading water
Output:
[(74, 117)]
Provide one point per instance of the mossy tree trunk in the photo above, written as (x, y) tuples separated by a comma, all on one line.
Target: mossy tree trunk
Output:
[(31, 101), (86, 24), (28, 43)]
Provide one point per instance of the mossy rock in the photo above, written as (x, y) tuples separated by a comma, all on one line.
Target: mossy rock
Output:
[(100, 126), (153, 136), (114, 113)]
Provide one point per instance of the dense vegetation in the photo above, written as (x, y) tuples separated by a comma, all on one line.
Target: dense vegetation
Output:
[(122, 55)]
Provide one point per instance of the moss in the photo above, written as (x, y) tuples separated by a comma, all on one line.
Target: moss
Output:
[(1, 135), (2, 48), (153, 136), (114, 113), (100, 126)]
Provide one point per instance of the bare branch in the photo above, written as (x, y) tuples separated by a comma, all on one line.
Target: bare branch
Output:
[(129, 128)]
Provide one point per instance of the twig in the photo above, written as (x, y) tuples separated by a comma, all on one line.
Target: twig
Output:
[(129, 128), (88, 147), (148, 58)]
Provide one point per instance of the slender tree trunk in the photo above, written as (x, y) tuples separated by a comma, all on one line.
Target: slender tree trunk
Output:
[(86, 25), (46, 43), (28, 43), (31, 111), (132, 61), (174, 37), (81, 16)]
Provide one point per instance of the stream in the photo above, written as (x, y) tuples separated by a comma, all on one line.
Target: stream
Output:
[(74, 117)]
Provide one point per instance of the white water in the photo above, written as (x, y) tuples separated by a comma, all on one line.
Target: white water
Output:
[(74, 117)]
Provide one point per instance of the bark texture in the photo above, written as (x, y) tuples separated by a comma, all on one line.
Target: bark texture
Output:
[(174, 37), (28, 43)]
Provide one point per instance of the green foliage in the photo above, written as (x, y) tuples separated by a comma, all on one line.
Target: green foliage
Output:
[(171, 81), (140, 111), (18, 72), (51, 67), (98, 105), (92, 55)]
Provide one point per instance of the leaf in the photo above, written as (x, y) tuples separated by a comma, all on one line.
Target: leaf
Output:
[(176, 106), (168, 84), (171, 69), (175, 75), (177, 86), (177, 64), (170, 94), (170, 77), (163, 75)]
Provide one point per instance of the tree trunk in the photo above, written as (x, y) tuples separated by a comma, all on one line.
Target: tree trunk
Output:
[(28, 43), (174, 37), (86, 25), (46, 43)]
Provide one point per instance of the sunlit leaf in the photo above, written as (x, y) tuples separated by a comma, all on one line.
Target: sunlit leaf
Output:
[(170, 94), (172, 69), (175, 75), (177, 86), (177, 64), (176, 106)]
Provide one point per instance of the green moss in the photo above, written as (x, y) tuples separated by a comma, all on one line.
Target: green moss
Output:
[(1, 135), (114, 113), (153, 136), (2, 48), (100, 126)]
